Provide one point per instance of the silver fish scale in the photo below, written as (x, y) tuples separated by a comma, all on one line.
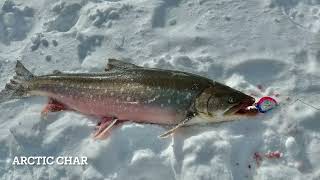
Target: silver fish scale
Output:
[(156, 88)]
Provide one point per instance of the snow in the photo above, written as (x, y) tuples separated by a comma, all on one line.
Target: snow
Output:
[(244, 44)]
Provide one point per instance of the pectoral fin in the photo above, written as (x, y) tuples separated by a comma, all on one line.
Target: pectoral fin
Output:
[(171, 131), (105, 126)]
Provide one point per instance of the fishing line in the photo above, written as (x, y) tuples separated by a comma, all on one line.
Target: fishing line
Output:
[(305, 103), (267, 103)]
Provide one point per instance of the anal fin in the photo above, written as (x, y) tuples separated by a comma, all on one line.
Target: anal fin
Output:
[(53, 106)]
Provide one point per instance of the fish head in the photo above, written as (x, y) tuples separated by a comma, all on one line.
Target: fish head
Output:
[(221, 102)]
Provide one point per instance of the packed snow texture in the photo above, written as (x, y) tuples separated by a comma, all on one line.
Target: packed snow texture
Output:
[(261, 47)]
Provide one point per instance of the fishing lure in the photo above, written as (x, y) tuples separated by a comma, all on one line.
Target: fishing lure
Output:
[(266, 104)]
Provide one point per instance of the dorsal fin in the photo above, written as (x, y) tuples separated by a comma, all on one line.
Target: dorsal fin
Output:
[(56, 72), (117, 64)]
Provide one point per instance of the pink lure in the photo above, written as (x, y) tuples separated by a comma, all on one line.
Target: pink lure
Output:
[(265, 104)]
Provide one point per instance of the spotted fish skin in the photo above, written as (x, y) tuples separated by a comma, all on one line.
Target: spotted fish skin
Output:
[(129, 92), (137, 94)]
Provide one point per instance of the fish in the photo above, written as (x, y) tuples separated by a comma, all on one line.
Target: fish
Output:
[(126, 92)]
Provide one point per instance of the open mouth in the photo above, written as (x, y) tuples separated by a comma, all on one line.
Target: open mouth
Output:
[(243, 109), (248, 111)]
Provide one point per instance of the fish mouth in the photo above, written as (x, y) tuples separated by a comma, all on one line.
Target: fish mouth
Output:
[(245, 108)]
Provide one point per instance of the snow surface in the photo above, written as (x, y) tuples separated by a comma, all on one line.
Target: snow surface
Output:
[(273, 43)]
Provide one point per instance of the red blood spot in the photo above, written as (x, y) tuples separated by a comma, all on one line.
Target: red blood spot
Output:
[(258, 158), (273, 155)]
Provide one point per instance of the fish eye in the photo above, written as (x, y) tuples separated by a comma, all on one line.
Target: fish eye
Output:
[(231, 100)]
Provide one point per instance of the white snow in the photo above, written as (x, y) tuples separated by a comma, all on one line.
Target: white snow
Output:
[(273, 43)]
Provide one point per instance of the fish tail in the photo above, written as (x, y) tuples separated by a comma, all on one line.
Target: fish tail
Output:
[(17, 87)]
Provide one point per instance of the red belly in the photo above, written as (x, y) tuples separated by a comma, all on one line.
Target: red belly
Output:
[(123, 110)]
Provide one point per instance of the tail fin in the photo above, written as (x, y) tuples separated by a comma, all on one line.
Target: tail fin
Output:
[(17, 88)]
